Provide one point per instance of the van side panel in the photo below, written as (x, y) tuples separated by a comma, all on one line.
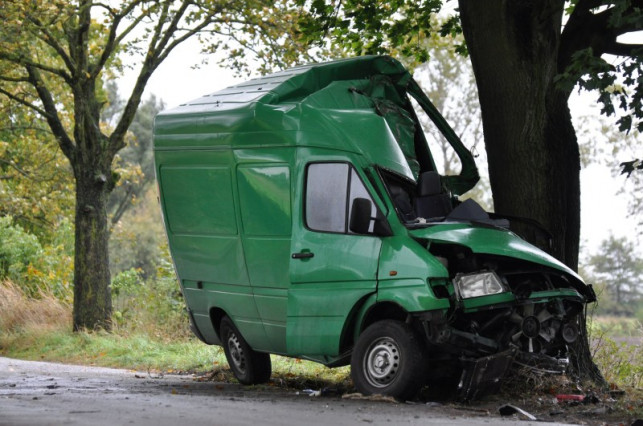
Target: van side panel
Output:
[(202, 221), (265, 203)]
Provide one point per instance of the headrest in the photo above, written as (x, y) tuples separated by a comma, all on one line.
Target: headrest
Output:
[(429, 184)]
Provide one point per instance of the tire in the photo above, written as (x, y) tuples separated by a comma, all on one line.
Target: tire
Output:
[(389, 359), (248, 366)]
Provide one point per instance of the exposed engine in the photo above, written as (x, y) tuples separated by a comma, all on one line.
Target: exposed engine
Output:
[(536, 308)]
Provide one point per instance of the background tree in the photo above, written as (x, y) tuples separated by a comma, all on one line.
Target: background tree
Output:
[(134, 163), (54, 55), (603, 144), (618, 270), (447, 79)]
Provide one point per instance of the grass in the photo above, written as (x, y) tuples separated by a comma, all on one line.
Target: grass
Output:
[(40, 329)]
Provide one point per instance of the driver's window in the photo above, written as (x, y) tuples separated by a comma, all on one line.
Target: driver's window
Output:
[(330, 191)]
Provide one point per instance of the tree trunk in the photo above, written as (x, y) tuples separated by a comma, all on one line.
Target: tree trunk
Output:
[(92, 296), (94, 181), (527, 125), (534, 163)]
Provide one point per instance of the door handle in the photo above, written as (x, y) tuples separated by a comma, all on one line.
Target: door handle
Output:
[(303, 255)]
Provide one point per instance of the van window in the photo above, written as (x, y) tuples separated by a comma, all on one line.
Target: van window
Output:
[(330, 191)]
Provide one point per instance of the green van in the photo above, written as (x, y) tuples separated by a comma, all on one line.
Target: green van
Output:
[(305, 218)]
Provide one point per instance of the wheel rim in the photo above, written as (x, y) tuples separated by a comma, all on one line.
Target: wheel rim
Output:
[(236, 353), (382, 362)]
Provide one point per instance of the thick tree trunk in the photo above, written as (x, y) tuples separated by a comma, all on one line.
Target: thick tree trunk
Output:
[(534, 163), (92, 296), (92, 170), (513, 46)]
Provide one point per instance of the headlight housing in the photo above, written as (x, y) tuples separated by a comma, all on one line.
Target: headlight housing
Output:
[(477, 284)]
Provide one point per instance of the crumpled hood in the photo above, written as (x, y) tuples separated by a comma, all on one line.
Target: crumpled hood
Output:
[(491, 241)]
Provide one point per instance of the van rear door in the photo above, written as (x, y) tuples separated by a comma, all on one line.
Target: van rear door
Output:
[(331, 268)]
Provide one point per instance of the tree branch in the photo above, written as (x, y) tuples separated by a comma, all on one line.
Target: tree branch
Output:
[(16, 168), (23, 102), (113, 39), (51, 115), (157, 51), (14, 79), (52, 41), (622, 49), (21, 60), (587, 29)]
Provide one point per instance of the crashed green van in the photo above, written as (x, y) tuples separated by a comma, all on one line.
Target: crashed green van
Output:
[(305, 218)]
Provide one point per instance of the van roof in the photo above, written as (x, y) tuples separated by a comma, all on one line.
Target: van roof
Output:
[(357, 104), (295, 83)]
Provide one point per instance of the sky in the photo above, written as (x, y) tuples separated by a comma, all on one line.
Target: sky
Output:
[(603, 210)]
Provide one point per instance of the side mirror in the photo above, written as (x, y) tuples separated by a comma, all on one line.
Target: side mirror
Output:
[(360, 220)]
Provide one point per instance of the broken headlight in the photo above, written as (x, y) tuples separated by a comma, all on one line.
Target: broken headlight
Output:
[(478, 284)]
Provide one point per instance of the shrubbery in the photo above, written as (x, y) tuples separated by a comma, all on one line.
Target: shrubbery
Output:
[(34, 267)]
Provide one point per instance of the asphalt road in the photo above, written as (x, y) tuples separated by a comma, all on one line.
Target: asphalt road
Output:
[(40, 393)]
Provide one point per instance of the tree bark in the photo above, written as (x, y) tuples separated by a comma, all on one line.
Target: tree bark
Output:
[(94, 181), (92, 296), (527, 125), (514, 48)]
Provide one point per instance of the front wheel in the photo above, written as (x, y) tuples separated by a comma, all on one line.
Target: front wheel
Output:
[(248, 366), (389, 359)]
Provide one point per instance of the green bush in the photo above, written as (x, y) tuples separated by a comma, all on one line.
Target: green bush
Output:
[(155, 306), (19, 251)]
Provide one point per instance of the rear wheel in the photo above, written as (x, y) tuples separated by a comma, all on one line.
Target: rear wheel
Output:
[(248, 366), (389, 359)]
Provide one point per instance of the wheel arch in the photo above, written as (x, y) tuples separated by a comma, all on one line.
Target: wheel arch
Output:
[(369, 312), (216, 315)]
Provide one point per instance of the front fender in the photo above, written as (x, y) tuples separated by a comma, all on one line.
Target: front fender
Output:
[(413, 295)]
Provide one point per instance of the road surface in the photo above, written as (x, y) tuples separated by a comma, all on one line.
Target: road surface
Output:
[(40, 393)]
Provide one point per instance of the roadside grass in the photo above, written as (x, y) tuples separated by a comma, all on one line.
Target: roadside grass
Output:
[(616, 327), (39, 329), (617, 345)]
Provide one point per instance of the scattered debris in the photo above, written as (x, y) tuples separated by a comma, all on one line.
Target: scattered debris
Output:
[(508, 410), (321, 392), (483, 375), (570, 398)]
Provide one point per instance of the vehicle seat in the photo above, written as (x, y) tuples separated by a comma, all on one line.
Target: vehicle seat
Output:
[(431, 200), (402, 202)]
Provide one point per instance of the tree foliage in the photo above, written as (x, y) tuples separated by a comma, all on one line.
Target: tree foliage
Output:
[(54, 56), (36, 186)]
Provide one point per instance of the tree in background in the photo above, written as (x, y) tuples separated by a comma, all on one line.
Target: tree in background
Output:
[(53, 57), (618, 271), (134, 163), (447, 79)]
